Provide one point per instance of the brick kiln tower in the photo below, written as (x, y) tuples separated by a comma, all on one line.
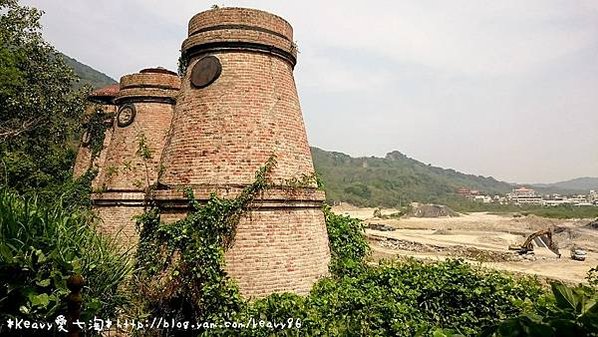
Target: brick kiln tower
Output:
[(130, 162), (101, 107), (238, 105)]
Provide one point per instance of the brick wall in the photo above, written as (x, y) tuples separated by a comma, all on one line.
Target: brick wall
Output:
[(153, 96), (214, 139), (279, 250), (117, 222), (84, 160)]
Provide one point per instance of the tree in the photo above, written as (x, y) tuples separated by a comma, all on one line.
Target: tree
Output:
[(39, 109)]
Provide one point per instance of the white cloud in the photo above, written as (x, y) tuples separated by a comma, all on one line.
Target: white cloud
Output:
[(427, 77)]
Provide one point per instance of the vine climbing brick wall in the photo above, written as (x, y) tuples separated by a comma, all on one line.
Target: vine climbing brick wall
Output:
[(152, 96), (130, 162), (238, 106), (86, 159)]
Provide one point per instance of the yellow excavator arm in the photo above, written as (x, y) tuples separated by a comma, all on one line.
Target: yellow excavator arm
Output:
[(545, 237)]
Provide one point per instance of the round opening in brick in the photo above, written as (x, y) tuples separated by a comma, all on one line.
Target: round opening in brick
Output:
[(126, 115), (206, 71), (86, 138)]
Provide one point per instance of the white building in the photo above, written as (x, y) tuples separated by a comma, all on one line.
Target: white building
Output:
[(524, 195)]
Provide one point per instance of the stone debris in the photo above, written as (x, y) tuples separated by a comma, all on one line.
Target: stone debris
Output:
[(456, 250), (431, 211), (593, 224), (381, 227)]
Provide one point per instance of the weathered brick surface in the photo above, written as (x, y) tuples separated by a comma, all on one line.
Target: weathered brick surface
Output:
[(223, 133), (276, 249), (215, 139), (240, 16), (117, 221), (124, 168), (124, 174), (84, 160), (279, 250)]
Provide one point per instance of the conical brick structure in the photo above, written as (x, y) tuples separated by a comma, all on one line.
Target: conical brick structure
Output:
[(237, 107), (130, 166), (101, 106)]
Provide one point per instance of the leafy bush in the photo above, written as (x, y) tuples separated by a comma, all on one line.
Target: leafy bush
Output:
[(348, 245), (40, 111), (401, 298), (40, 247), (574, 313)]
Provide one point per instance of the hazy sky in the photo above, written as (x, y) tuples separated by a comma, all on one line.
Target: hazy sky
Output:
[(501, 88)]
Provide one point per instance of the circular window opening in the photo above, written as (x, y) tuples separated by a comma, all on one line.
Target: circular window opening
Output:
[(205, 71), (126, 115)]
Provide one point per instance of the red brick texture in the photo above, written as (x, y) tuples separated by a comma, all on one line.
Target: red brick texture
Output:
[(214, 140), (124, 174), (278, 250), (117, 221), (124, 168)]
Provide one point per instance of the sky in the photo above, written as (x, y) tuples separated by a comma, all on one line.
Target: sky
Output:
[(506, 88)]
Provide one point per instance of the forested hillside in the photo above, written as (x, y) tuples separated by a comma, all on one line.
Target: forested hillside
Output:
[(393, 180), (87, 75)]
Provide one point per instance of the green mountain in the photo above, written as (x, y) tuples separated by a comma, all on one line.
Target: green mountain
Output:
[(393, 180), (87, 74), (579, 185)]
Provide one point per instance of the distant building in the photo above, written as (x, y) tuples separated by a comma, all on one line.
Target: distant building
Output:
[(464, 191), (483, 198), (523, 195)]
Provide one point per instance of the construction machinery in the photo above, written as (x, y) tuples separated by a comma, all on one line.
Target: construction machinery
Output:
[(542, 238)]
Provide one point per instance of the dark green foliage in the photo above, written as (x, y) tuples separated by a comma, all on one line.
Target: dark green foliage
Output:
[(188, 255), (40, 112), (348, 245), (400, 299), (185, 261), (394, 180), (556, 212), (397, 299), (574, 313), (40, 247)]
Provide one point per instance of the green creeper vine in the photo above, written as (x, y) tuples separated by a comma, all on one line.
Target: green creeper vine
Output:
[(304, 181), (180, 265), (96, 128), (145, 153)]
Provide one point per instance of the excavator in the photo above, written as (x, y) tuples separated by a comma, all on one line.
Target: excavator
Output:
[(542, 237)]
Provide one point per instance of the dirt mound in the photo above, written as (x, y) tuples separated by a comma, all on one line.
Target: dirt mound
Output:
[(454, 251), (381, 227), (431, 211)]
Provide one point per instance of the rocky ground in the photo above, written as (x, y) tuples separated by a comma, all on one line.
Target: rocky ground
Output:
[(483, 238)]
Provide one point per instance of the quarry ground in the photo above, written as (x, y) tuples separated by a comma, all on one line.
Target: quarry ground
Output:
[(482, 238)]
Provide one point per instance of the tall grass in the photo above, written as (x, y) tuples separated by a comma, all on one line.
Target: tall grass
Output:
[(41, 246)]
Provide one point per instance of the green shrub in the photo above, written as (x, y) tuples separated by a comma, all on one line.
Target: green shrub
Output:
[(40, 247), (348, 245), (404, 298), (574, 313), (401, 298)]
